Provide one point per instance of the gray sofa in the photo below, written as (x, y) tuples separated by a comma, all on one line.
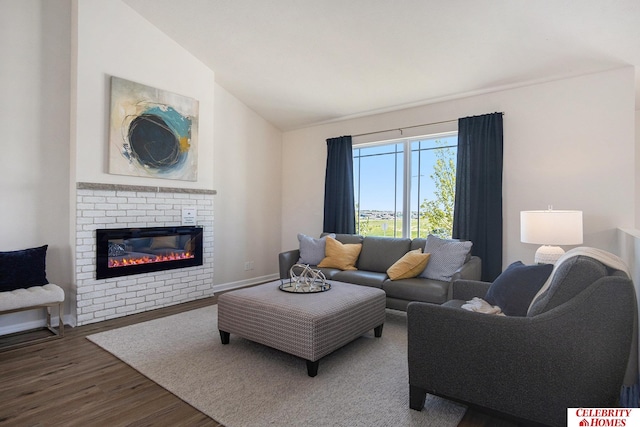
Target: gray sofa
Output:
[(376, 256), (569, 351)]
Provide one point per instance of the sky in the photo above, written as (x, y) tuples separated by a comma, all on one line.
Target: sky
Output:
[(379, 188)]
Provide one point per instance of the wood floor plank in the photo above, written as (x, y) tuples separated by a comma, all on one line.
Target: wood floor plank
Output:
[(73, 382)]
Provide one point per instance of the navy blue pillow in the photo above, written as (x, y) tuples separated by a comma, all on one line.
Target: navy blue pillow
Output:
[(514, 289), (22, 269)]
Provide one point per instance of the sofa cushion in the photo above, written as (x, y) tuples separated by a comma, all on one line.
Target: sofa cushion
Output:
[(329, 273), (361, 277), (379, 253), (447, 256), (514, 289), (345, 238), (312, 249), (417, 289), (340, 255), (410, 265), (23, 268), (418, 243)]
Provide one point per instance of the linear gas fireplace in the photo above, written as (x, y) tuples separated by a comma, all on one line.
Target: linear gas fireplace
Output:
[(126, 251)]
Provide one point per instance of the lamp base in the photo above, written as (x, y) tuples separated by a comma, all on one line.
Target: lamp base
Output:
[(548, 254)]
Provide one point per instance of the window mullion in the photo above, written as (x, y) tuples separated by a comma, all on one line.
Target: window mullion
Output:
[(406, 196), (359, 189)]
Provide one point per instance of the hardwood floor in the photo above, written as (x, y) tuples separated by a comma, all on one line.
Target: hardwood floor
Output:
[(73, 382)]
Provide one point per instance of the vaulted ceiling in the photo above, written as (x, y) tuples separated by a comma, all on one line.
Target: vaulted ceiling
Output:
[(302, 62)]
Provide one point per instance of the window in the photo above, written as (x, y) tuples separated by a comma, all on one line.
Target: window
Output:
[(406, 188)]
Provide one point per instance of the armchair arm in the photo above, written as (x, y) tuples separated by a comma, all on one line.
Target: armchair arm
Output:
[(286, 260), (530, 367), (467, 289), (470, 270)]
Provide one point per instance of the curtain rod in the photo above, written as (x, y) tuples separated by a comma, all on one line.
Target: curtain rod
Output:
[(406, 127)]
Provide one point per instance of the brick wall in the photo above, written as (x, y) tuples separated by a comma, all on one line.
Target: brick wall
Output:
[(119, 206)]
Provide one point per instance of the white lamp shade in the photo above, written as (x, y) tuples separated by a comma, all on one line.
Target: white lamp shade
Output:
[(551, 227)]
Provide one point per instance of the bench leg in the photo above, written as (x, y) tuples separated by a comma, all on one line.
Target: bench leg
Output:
[(61, 319), (378, 331), (48, 309), (60, 331), (312, 368)]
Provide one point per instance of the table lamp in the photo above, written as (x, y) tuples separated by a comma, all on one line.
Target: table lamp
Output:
[(550, 228)]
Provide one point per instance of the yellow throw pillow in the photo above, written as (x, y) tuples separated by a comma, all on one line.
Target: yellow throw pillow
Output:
[(339, 255), (410, 265)]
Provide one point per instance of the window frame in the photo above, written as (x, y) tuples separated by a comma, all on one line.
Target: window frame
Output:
[(406, 143)]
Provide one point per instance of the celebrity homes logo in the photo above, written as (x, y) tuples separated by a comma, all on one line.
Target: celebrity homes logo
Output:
[(603, 417)]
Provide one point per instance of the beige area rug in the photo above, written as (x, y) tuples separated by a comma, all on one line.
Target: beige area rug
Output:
[(365, 383)]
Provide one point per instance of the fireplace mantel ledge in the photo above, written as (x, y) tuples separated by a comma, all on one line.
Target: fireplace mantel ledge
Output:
[(142, 188)]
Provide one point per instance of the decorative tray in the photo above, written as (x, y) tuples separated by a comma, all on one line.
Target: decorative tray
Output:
[(305, 280), (304, 288)]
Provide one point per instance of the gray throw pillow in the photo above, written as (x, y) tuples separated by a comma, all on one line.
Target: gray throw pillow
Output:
[(447, 256), (312, 249)]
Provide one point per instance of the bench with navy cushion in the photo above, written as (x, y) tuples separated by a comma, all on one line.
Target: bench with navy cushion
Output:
[(24, 286)]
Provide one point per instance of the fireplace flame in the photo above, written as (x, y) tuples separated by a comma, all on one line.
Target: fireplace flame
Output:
[(149, 259)]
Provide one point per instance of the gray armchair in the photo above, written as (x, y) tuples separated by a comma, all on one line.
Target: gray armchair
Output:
[(571, 350)]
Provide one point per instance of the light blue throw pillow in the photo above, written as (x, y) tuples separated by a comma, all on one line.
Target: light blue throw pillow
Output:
[(312, 249), (447, 256)]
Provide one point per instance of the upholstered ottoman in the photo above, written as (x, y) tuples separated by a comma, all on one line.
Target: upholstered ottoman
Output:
[(309, 326)]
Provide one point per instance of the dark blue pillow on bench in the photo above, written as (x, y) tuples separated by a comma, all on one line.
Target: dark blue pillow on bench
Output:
[(22, 269), (514, 289)]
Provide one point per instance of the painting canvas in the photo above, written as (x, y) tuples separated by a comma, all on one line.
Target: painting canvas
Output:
[(154, 133)]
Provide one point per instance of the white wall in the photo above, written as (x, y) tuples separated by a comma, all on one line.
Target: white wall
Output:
[(637, 181), (114, 40), (54, 80), (247, 169), (34, 118), (569, 143)]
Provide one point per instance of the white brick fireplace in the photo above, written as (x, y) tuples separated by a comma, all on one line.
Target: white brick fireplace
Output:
[(121, 206)]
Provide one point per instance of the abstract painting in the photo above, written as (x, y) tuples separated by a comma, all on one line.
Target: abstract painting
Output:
[(153, 133)]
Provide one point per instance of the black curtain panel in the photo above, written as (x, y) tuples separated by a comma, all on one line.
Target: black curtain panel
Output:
[(339, 207), (478, 207)]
